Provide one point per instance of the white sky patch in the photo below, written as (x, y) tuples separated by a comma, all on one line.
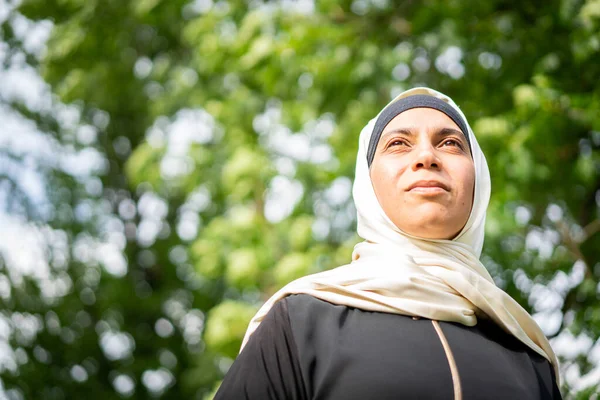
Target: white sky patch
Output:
[(164, 328), (547, 300), (78, 373), (321, 154), (117, 345), (157, 381), (449, 62), (5, 287), (577, 273), (5, 10), (522, 215), (339, 191), (33, 34), (285, 166), (22, 84), (87, 134), (152, 206), (569, 346), (31, 151), (594, 354), (550, 295), (28, 180), (522, 281), (32, 155), (85, 162), (549, 321), (38, 252), (308, 145), (198, 200), (401, 72), (321, 228), (305, 7), (143, 67), (124, 385), (192, 325), (22, 138), (153, 209), (590, 379), (7, 357), (282, 196), (189, 220), (187, 225), (24, 248), (421, 62), (333, 209), (554, 212), (190, 126), (176, 306), (94, 252), (148, 231), (544, 299), (67, 115), (28, 326), (286, 143), (542, 241), (187, 127), (112, 259), (196, 7)]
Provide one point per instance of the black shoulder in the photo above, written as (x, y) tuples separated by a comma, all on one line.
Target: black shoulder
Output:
[(308, 308), (268, 367)]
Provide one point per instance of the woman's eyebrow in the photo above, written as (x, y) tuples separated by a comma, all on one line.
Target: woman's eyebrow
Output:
[(438, 131), (450, 131), (403, 131)]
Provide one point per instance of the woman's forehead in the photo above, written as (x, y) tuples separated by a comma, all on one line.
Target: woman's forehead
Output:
[(417, 119)]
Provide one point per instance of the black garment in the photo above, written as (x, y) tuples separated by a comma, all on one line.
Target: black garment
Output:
[(307, 348)]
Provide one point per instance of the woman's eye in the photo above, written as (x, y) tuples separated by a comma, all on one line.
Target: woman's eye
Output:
[(397, 142), (451, 142)]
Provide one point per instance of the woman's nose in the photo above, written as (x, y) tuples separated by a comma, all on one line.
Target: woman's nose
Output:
[(425, 158)]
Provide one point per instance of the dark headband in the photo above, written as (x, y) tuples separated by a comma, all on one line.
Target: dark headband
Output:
[(414, 101)]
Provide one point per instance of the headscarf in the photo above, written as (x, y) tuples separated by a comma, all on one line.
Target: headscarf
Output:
[(394, 272)]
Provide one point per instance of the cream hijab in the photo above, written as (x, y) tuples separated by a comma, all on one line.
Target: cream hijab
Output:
[(394, 272)]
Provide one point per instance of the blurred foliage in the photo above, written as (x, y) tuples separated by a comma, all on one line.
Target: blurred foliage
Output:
[(229, 131)]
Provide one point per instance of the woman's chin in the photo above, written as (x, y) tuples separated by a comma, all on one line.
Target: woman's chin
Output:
[(432, 209), (427, 225), (427, 234)]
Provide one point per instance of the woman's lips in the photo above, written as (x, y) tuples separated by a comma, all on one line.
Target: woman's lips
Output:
[(428, 187), (429, 190)]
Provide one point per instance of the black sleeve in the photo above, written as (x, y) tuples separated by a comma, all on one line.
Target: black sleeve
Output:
[(268, 367), (556, 395)]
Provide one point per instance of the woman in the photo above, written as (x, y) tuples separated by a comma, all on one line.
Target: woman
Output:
[(415, 314)]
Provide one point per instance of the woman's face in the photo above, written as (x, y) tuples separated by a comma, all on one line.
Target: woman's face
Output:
[(423, 174)]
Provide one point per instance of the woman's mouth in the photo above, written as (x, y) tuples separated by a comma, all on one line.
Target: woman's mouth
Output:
[(428, 187)]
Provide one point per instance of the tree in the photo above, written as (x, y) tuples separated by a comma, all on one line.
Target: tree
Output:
[(228, 133)]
